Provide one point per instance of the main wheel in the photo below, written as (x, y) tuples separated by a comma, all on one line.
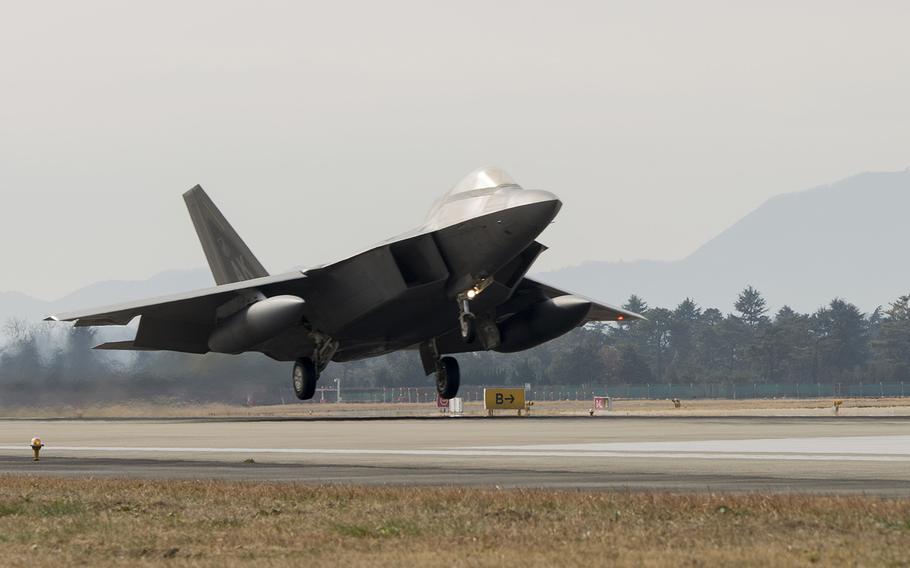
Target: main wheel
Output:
[(305, 377), (468, 327), (448, 378)]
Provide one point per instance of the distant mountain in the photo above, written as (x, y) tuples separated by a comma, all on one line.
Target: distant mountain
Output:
[(15, 304), (848, 239)]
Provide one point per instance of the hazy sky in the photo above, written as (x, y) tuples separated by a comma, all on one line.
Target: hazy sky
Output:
[(320, 128)]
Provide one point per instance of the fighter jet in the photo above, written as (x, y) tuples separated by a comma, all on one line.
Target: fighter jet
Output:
[(455, 284)]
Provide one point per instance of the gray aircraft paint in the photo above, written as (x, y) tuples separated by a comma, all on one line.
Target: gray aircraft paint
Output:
[(394, 295), (228, 256)]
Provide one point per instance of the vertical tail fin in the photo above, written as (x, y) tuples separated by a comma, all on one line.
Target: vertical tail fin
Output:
[(229, 257)]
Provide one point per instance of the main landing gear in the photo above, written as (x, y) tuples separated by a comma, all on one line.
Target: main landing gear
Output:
[(305, 376), (307, 369), (448, 377)]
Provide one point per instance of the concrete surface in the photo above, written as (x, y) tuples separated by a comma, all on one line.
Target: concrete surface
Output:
[(807, 454)]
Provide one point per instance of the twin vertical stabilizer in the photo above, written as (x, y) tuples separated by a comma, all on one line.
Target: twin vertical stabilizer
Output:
[(228, 256)]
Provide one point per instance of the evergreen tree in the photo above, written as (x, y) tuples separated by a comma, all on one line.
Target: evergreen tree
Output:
[(841, 335), (751, 307), (683, 330), (893, 342)]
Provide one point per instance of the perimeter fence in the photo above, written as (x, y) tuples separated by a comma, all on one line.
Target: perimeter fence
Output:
[(687, 391)]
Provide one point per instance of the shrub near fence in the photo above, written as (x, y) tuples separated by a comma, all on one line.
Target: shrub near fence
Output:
[(688, 391)]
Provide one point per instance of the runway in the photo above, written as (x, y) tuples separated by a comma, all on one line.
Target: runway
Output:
[(825, 455)]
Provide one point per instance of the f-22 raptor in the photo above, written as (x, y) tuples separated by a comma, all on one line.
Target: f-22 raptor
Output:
[(455, 284)]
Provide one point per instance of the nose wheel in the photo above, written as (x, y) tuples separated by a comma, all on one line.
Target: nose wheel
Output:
[(304, 377), (448, 377)]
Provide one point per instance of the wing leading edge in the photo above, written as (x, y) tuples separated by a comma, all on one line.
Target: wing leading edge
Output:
[(197, 305)]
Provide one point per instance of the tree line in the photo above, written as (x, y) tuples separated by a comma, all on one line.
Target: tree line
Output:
[(837, 343)]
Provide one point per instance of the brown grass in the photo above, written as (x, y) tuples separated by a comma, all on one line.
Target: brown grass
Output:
[(52, 522), (699, 407)]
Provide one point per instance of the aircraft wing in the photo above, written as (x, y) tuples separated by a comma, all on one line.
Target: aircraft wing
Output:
[(181, 322), (599, 311), (190, 306)]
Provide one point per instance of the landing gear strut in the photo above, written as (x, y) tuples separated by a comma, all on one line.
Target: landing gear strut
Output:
[(305, 376), (466, 320), (448, 377)]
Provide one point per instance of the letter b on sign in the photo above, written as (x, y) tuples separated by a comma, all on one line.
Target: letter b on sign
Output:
[(503, 398)]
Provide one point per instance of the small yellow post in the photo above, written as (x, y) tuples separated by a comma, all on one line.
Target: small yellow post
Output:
[(37, 444), (837, 404)]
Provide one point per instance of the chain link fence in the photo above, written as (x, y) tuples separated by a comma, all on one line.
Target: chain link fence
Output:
[(687, 391)]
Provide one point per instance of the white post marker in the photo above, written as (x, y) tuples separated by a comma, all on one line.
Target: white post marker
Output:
[(456, 406), (602, 403)]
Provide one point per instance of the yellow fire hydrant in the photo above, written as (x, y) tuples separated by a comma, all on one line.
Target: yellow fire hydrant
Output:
[(37, 444)]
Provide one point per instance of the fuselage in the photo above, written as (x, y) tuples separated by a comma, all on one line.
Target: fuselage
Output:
[(457, 283), (403, 291)]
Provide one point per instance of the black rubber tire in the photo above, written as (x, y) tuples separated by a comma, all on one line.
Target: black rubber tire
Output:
[(304, 378), (448, 378), (468, 325)]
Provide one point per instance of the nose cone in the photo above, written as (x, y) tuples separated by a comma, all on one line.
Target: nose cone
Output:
[(529, 196), (542, 206)]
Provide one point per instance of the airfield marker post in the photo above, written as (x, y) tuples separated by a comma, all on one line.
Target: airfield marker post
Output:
[(36, 444)]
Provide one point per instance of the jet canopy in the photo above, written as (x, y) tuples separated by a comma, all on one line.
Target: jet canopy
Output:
[(471, 195), (484, 178)]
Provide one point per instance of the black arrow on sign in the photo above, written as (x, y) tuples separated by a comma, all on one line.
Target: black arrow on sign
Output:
[(511, 398)]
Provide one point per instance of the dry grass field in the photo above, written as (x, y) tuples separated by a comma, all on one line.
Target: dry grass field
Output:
[(699, 407), (54, 522)]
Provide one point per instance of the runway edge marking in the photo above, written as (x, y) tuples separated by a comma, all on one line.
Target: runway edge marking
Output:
[(51, 450)]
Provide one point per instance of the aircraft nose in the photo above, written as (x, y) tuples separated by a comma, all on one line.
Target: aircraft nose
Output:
[(528, 196), (545, 204)]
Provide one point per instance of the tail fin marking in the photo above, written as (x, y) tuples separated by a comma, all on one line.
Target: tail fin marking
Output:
[(228, 256)]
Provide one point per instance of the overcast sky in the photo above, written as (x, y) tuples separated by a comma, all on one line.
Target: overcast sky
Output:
[(320, 128)]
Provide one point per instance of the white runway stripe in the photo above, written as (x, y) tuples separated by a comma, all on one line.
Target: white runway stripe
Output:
[(712, 449), (865, 445)]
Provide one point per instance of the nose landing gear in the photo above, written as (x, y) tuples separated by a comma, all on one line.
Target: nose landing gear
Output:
[(467, 321)]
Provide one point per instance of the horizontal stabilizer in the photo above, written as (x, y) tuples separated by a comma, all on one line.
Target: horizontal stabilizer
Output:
[(599, 311)]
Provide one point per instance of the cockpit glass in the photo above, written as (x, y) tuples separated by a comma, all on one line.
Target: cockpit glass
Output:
[(474, 191), (485, 178)]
